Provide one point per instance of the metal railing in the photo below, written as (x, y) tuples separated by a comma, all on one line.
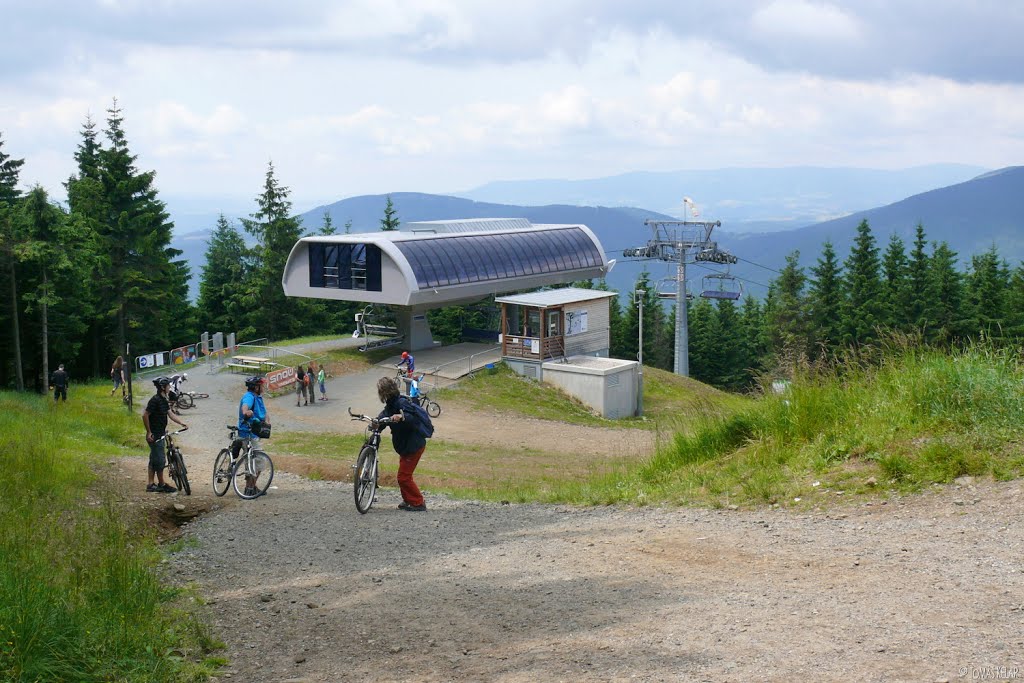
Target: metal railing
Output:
[(466, 365)]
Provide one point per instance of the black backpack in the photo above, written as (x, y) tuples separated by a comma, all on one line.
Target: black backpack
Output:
[(422, 422)]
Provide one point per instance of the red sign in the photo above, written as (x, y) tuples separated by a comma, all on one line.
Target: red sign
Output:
[(280, 378)]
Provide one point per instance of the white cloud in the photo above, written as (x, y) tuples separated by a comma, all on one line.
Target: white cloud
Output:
[(802, 20)]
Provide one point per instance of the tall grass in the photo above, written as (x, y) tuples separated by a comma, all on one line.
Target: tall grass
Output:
[(914, 417), (80, 598)]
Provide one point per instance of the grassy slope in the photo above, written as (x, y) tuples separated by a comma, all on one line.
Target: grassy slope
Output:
[(80, 597)]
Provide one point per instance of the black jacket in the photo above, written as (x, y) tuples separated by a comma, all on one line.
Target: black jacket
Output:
[(59, 379), (405, 436)]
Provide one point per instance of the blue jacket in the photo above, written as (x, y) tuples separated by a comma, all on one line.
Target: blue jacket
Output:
[(259, 413)]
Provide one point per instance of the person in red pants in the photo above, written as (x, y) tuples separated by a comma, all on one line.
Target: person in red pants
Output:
[(407, 439)]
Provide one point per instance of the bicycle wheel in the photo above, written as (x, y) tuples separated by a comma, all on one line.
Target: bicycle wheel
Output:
[(185, 401), (252, 475), (364, 479), (433, 408), (179, 473), (222, 472)]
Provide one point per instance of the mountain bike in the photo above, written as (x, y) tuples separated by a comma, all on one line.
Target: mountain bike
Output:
[(250, 473), (428, 404), (366, 471), (176, 463)]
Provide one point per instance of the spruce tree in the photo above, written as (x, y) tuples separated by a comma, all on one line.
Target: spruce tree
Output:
[(221, 305), (45, 250), (730, 361), (863, 284), (786, 322), (327, 226), (897, 302), (276, 231), (919, 276), (390, 220), (826, 302), (945, 290), (10, 170), (704, 336), (1015, 304), (752, 340), (144, 288), (987, 285)]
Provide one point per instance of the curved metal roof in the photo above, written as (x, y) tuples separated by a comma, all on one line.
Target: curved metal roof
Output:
[(468, 258)]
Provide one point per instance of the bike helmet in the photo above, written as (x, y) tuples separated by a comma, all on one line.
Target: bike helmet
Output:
[(405, 354), (161, 382), (253, 382)]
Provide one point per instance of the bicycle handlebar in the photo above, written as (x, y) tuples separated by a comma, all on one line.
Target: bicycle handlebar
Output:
[(183, 429), (367, 418)]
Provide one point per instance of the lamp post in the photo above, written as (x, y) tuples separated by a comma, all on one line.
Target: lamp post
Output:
[(638, 299)]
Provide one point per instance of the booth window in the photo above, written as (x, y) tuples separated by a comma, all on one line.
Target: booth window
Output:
[(345, 266)]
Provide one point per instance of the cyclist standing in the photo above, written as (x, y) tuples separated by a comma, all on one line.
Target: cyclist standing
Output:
[(407, 440), (154, 418), (251, 412)]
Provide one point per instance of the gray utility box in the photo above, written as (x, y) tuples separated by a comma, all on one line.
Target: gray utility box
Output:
[(608, 385)]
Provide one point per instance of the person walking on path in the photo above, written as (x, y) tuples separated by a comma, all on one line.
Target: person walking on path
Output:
[(321, 378), (154, 419), (407, 440), (117, 376), (59, 381), (300, 384)]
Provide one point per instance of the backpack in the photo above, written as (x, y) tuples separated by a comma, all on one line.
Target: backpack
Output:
[(305, 379), (423, 424)]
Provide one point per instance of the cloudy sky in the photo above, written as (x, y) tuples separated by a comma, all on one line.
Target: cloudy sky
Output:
[(374, 96)]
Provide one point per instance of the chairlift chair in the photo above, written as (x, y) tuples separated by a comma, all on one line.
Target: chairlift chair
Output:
[(721, 286), (667, 287)]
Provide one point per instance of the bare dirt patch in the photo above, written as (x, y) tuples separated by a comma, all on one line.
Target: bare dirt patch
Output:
[(302, 587)]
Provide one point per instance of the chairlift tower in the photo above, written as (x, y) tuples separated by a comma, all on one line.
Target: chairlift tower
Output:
[(682, 242)]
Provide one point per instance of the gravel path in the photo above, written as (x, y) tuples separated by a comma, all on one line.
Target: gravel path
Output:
[(303, 588)]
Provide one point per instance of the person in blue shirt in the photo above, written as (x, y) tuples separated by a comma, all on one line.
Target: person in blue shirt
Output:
[(252, 411)]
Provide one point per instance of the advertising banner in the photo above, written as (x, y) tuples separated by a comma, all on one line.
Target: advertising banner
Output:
[(280, 378)]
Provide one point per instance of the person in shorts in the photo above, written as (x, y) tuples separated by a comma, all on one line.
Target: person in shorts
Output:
[(252, 412), (154, 418), (117, 376)]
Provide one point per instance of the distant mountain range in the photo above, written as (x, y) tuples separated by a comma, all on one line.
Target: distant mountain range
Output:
[(971, 216), (746, 199)]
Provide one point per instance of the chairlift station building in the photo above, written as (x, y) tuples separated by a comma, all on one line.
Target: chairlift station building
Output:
[(433, 264)]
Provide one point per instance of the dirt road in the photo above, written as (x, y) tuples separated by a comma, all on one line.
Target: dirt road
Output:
[(303, 588)]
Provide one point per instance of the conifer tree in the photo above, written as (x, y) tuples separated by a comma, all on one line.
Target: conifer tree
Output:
[(225, 276), (945, 290), (276, 232), (704, 333), (863, 285), (919, 274), (987, 284), (730, 361), (1015, 304), (896, 296), (43, 250), (10, 170), (144, 288), (752, 341), (786, 322), (390, 219), (327, 227), (826, 302)]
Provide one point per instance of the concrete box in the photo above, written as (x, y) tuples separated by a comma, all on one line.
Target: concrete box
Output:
[(608, 385)]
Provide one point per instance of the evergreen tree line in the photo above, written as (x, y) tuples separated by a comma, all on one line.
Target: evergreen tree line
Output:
[(835, 306), (79, 282)]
